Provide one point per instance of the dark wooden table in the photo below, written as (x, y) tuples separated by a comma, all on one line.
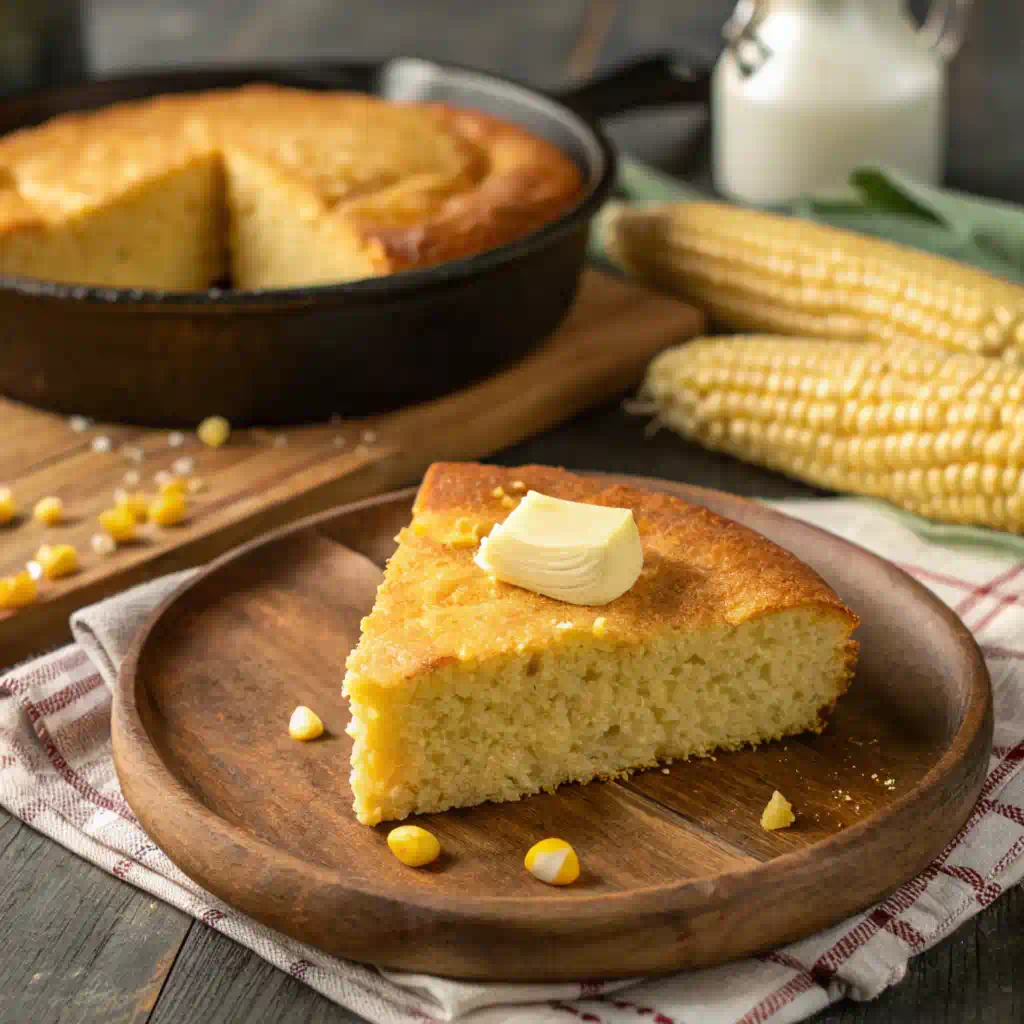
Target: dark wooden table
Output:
[(77, 945)]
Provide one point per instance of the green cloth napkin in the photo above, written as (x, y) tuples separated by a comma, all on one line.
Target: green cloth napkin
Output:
[(888, 204)]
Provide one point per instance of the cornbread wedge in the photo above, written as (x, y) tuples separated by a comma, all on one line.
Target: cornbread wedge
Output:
[(465, 690)]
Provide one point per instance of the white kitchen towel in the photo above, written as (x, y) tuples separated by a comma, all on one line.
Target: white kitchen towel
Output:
[(56, 774)]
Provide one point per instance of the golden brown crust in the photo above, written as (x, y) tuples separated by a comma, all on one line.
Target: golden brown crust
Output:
[(416, 184), (75, 161), (523, 184), (436, 605)]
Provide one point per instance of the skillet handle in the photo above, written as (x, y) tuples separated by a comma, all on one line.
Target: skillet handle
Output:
[(657, 81)]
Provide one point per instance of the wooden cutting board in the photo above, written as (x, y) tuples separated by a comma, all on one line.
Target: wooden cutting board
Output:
[(676, 870), (262, 479)]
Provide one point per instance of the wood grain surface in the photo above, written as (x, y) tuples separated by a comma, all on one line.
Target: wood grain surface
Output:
[(676, 868), (262, 479)]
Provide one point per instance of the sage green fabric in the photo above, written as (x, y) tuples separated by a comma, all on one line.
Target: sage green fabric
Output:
[(887, 204)]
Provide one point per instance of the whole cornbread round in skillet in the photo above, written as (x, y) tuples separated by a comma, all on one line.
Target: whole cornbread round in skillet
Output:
[(465, 689), (270, 186)]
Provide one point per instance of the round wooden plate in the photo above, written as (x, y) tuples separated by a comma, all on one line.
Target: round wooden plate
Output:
[(677, 871)]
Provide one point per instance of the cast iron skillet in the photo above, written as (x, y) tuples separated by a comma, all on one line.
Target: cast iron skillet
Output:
[(300, 354)]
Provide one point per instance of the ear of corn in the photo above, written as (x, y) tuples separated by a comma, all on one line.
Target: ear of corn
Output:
[(766, 273), (938, 434)]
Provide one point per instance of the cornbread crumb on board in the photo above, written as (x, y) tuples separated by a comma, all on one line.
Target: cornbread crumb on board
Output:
[(777, 814)]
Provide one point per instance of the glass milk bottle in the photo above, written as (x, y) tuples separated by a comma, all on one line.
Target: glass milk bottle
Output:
[(807, 90)]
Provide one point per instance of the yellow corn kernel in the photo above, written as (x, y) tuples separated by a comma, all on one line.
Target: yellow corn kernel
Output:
[(917, 455), (171, 484), (414, 846), (518, 485), (49, 511), (508, 501), (119, 522), (135, 503), (305, 724), (553, 861), (17, 591), (168, 509), (778, 813), (8, 510), (465, 534), (102, 544), (214, 431), (600, 626), (498, 492), (57, 560), (757, 271)]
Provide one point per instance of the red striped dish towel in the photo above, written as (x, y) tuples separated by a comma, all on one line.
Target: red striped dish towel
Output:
[(56, 773)]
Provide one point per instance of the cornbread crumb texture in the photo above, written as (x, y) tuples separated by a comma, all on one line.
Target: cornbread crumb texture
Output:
[(464, 689), (778, 813), (278, 186)]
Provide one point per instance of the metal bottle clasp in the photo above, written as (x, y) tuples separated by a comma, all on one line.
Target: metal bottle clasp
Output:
[(749, 50)]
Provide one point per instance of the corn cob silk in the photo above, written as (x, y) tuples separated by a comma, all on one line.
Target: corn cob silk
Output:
[(936, 433), (766, 273)]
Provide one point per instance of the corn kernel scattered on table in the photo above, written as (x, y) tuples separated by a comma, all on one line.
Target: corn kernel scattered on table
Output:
[(137, 503), (214, 431), (57, 560), (553, 861), (168, 509), (119, 522), (17, 591), (102, 544), (172, 484), (414, 846), (49, 511), (305, 724), (8, 510)]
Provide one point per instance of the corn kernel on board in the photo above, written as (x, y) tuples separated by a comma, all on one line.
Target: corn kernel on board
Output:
[(263, 479), (675, 867)]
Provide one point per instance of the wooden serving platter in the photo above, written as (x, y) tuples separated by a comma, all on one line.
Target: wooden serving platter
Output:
[(262, 479), (676, 869)]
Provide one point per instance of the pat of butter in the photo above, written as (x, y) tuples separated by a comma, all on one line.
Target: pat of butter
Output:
[(581, 554)]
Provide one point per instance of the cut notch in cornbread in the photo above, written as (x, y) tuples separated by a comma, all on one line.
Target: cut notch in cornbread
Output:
[(464, 689)]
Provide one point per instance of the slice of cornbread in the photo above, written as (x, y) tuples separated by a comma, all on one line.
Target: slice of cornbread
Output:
[(464, 689)]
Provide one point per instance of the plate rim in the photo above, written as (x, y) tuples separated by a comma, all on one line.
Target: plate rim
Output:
[(130, 738)]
